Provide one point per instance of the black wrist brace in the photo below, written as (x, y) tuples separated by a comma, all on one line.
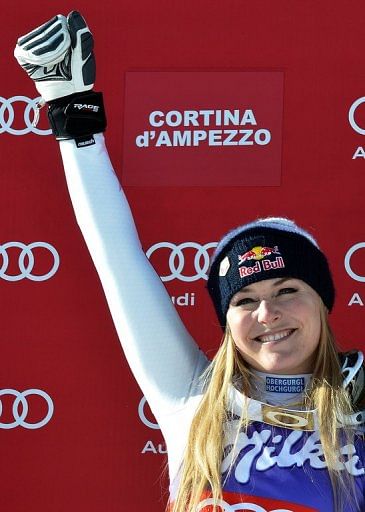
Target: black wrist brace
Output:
[(78, 117)]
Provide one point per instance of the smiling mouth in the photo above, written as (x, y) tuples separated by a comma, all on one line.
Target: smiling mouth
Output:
[(278, 336)]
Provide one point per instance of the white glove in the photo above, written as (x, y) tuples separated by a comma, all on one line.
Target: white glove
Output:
[(58, 56)]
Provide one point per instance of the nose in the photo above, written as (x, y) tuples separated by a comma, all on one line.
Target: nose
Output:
[(267, 312)]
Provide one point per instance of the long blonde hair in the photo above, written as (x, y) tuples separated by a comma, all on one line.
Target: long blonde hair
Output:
[(201, 469)]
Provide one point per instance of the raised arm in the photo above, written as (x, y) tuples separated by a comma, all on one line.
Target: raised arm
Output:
[(161, 353), (163, 357)]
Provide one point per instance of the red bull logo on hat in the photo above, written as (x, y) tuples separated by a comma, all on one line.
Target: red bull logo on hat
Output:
[(259, 253)]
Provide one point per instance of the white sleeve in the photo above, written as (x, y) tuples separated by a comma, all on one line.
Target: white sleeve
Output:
[(164, 359)]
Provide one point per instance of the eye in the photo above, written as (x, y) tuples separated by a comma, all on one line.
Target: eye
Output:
[(245, 302), (286, 291)]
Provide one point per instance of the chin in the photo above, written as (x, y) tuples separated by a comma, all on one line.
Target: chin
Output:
[(282, 368)]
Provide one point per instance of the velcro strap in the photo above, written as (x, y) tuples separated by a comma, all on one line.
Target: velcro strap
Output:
[(77, 116)]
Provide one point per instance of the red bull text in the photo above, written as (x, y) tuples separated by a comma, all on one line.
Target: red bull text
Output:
[(262, 265)]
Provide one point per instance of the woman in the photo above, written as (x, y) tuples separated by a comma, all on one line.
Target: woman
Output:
[(275, 421)]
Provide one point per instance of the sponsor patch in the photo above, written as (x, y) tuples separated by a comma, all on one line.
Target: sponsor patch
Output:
[(259, 254), (224, 266), (285, 385), (82, 142), (280, 417), (237, 502)]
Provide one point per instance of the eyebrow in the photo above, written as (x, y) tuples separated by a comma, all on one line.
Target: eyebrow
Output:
[(247, 289)]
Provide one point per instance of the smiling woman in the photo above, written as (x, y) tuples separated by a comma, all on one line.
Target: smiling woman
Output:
[(272, 290), (276, 420), (276, 325)]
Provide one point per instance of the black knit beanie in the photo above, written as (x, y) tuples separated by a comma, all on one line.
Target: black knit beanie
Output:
[(265, 249)]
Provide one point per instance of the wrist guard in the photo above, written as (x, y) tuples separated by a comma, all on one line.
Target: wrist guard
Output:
[(78, 117)]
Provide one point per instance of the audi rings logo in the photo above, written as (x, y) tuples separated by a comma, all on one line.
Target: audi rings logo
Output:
[(244, 507), (7, 116), (20, 413), (352, 113), (177, 262), (26, 261), (142, 415), (350, 253)]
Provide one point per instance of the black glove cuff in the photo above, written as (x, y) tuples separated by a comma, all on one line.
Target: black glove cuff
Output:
[(78, 117)]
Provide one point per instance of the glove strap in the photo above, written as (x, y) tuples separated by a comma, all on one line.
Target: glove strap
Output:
[(78, 117)]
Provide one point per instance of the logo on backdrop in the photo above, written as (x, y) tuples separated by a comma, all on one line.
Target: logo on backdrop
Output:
[(151, 446), (177, 263), (214, 129), (192, 119), (17, 115), (152, 423), (356, 112), (354, 262), (20, 409), (26, 261)]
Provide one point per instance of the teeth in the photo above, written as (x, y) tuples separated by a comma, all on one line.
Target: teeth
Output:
[(274, 337)]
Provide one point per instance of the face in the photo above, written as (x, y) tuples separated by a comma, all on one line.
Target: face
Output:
[(276, 325)]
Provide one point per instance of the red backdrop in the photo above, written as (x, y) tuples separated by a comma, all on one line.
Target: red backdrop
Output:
[(76, 439)]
